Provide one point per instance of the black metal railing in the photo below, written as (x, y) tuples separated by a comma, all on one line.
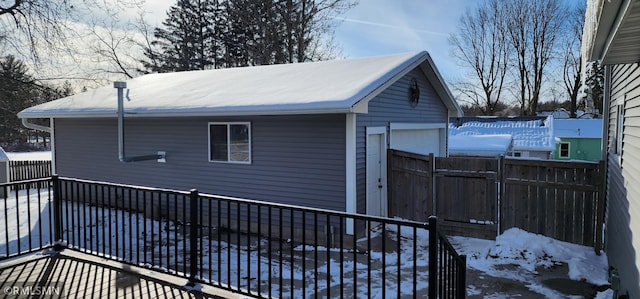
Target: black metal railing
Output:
[(452, 269), (256, 248), (26, 208), (124, 223)]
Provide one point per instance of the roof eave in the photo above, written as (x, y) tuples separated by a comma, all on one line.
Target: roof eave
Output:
[(609, 24), (113, 114), (434, 76)]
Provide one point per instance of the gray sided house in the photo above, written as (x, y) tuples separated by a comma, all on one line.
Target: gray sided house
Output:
[(312, 134), (612, 35)]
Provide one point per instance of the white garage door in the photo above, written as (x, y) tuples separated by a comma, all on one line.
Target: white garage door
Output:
[(419, 141)]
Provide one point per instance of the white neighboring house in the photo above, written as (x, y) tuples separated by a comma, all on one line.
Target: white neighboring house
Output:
[(532, 137)]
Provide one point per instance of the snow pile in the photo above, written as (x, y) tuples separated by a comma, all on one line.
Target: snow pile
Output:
[(529, 251)]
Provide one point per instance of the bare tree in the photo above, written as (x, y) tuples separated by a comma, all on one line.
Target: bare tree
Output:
[(117, 43), (533, 27), (481, 45), (39, 23), (314, 20), (572, 75)]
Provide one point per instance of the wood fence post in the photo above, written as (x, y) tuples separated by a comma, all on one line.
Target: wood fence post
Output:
[(597, 246), (391, 203), (432, 182)]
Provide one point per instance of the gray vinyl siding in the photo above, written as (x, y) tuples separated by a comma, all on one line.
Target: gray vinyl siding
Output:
[(622, 243), (392, 105), (295, 159)]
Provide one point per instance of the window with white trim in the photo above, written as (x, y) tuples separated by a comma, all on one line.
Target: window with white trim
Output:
[(230, 142), (564, 149)]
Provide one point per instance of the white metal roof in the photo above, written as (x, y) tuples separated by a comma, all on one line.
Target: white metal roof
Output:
[(337, 86), (528, 135)]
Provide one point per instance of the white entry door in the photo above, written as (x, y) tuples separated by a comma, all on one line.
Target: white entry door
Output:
[(376, 172)]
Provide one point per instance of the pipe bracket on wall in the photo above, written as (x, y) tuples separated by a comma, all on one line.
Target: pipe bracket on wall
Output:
[(160, 156)]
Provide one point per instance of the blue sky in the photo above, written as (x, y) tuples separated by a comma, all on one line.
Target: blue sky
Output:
[(380, 27)]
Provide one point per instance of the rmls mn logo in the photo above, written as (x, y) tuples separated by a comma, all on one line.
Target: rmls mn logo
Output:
[(28, 291)]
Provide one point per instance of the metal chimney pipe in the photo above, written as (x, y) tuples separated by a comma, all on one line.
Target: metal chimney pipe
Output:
[(120, 86), (160, 157)]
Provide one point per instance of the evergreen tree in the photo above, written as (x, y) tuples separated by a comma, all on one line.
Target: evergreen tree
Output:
[(593, 86), (16, 93), (185, 42), (230, 33)]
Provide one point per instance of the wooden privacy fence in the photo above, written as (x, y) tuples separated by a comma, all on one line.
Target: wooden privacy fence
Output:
[(483, 197)]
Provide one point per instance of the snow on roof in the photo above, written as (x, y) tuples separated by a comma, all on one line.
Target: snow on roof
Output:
[(578, 128), (3, 155), (528, 135), (480, 145), (30, 156), (336, 86)]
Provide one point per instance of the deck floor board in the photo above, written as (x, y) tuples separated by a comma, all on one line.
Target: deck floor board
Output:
[(84, 276)]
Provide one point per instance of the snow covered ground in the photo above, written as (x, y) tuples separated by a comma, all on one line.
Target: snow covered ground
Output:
[(529, 253), (24, 220), (516, 254)]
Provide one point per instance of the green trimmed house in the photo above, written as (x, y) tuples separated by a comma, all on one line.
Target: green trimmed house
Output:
[(578, 139)]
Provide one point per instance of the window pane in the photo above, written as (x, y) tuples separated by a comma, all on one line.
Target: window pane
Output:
[(218, 139), (564, 150), (240, 143)]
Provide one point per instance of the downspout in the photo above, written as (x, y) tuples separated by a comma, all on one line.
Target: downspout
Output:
[(27, 124), (606, 102), (160, 157)]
